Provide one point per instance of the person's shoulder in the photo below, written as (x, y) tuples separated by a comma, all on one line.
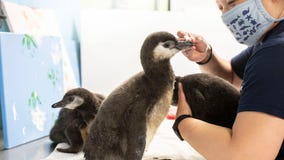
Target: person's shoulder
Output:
[(275, 44), (274, 38), (267, 56)]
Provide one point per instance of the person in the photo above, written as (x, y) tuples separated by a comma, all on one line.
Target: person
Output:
[(258, 71)]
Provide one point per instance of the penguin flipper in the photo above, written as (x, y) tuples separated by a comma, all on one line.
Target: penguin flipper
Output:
[(75, 140), (71, 149)]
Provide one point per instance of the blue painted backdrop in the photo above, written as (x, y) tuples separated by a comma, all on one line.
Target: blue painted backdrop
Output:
[(68, 13), (30, 84)]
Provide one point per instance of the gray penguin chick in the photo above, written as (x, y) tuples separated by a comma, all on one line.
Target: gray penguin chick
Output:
[(211, 98), (131, 114), (78, 108)]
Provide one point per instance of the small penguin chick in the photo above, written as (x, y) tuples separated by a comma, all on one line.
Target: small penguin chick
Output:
[(129, 117), (211, 98), (78, 108)]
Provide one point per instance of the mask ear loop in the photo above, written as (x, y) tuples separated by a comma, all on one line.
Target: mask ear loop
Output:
[(280, 19), (260, 6)]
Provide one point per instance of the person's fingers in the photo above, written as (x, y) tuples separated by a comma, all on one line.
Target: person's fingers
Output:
[(181, 34), (185, 35), (187, 53), (181, 96), (181, 100), (183, 106)]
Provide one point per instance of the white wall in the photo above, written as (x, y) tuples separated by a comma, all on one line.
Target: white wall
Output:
[(111, 41), (126, 4)]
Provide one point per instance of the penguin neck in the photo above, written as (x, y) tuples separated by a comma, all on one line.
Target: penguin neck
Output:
[(87, 111), (159, 71)]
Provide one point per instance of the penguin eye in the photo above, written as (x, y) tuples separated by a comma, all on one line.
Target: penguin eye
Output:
[(166, 45), (70, 99), (169, 44)]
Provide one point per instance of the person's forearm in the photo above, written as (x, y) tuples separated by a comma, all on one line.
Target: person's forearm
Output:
[(249, 139), (221, 68), (209, 140), (218, 66)]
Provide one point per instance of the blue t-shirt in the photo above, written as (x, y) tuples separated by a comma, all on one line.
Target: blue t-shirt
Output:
[(261, 67)]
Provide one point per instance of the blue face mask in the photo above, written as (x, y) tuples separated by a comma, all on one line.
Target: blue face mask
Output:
[(248, 21)]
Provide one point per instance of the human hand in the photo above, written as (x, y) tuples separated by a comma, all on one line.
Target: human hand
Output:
[(183, 106), (198, 52)]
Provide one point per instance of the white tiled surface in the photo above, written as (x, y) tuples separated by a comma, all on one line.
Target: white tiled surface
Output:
[(165, 146), (35, 150)]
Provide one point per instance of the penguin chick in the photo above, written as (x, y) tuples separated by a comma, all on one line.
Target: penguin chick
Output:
[(78, 107), (211, 98), (131, 114)]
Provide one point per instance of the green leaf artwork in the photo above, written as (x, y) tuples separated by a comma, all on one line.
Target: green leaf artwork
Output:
[(53, 76), (29, 42), (34, 100)]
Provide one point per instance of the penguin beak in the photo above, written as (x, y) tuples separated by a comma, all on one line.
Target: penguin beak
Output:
[(56, 105), (183, 44)]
